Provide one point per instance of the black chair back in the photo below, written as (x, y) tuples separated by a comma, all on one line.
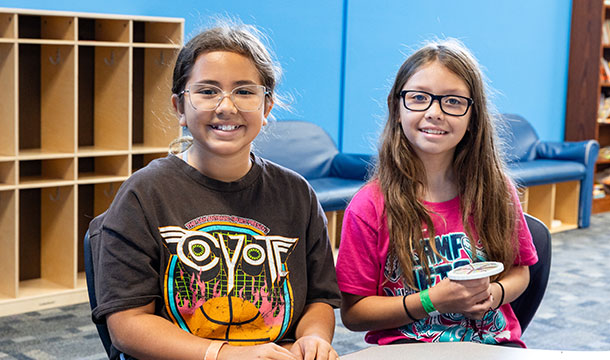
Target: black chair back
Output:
[(526, 305), (102, 329)]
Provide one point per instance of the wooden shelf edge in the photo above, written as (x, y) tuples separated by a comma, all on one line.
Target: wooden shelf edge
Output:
[(39, 154), (42, 301), (85, 179), (32, 183), (143, 149), (563, 227), (87, 15), (46, 41)]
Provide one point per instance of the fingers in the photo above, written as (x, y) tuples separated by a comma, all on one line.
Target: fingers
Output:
[(314, 348)]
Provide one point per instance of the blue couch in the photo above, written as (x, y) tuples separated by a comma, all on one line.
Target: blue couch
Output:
[(534, 162), (307, 149)]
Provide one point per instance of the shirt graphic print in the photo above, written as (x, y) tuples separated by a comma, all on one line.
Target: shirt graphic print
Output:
[(456, 250), (227, 279)]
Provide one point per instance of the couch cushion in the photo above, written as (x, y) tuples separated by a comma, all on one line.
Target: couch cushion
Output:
[(539, 172), (519, 139), (298, 145), (335, 193)]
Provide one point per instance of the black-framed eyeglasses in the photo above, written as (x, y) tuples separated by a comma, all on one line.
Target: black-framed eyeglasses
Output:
[(416, 100), (207, 97)]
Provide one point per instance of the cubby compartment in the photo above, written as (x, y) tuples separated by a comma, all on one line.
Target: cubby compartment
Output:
[(103, 168), (46, 99), (46, 27), (154, 122), (103, 100), (93, 199), (7, 174), (8, 255), (556, 205), (7, 89), (139, 161), (47, 262), (157, 32), (94, 29), (67, 137), (47, 172), (7, 26)]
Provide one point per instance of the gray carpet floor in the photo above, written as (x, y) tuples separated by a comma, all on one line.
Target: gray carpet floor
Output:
[(574, 314)]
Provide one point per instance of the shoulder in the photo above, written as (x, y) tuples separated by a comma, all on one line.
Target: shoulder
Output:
[(156, 174), (367, 203), (154, 178), (369, 195), (282, 175)]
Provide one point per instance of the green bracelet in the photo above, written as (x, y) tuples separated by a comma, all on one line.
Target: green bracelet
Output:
[(424, 297)]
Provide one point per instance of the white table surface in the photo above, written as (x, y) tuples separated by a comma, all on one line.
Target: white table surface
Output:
[(468, 351)]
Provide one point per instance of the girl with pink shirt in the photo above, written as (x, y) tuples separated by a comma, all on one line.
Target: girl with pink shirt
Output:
[(439, 199)]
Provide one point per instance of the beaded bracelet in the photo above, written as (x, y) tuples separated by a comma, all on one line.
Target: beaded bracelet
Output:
[(213, 349)]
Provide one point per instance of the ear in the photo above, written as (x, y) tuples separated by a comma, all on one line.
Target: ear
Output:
[(268, 107), (179, 109)]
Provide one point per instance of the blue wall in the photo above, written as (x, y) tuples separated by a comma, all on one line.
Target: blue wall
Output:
[(523, 45)]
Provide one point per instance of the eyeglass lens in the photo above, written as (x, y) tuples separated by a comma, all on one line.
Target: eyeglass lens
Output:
[(450, 104), (208, 97)]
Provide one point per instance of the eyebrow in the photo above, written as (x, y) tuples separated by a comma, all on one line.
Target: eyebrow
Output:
[(453, 91), (216, 83)]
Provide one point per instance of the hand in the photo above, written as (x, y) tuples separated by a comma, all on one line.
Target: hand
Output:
[(313, 347), (269, 351), (468, 297)]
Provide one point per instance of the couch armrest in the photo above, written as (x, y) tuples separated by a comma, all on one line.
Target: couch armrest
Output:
[(584, 152), (352, 166)]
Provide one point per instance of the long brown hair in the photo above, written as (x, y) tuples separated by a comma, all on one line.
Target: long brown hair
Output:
[(485, 194)]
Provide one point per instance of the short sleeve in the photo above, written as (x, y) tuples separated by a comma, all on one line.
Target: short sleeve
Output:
[(321, 276), (358, 261), (125, 257), (527, 254)]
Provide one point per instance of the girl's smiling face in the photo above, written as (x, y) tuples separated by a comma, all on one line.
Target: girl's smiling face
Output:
[(225, 131), (432, 133)]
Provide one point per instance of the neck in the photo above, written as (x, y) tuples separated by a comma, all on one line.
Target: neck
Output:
[(441, 184), (223, 168)]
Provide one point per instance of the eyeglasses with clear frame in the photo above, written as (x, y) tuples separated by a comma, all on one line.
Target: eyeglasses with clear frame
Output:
[(206, 97), (416, 100)]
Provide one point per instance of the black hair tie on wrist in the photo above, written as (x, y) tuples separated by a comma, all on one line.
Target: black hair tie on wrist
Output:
[(404, 304), (502, 297)]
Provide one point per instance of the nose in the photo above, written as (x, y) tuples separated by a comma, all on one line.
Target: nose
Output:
[(434, 111), (226, 104)]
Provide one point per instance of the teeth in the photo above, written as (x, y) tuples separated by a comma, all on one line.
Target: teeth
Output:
[(435, 132), (225, 127)]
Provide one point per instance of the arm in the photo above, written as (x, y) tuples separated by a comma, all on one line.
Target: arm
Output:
[(142, 334), (515, 282), (314, 333), (383, 312)]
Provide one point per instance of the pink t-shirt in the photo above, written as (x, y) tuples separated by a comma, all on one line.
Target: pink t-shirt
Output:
[(364, 269)]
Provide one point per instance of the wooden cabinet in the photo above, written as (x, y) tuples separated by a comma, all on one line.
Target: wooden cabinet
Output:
[(556, 205), (586, 86), (85, 101)]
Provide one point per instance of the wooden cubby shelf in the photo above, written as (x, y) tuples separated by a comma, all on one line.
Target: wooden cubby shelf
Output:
[(85, 103), (556, 205)]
